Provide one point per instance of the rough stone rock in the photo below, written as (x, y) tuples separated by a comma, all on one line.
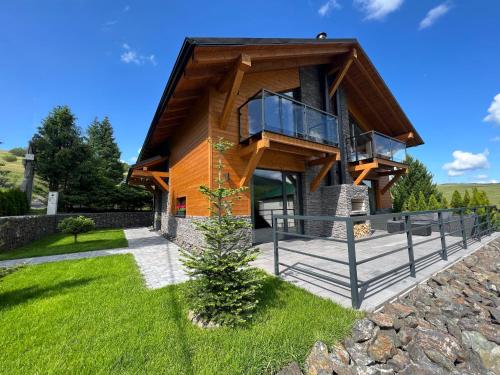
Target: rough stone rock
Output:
[(487, 350), (398, 310), (439, 359), (339, 352), (441, 342), (358, 352), (490, 331), (405, 335), (292, 369), (362, 330), (495, 313), (423, 369), (384, 346), (399, 361), (318, 362), (382, 320)]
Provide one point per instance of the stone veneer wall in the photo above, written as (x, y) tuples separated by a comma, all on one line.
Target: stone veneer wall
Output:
[(16, 231)]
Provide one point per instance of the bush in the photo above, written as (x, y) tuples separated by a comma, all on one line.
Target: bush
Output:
[(456, 200), (18, 151), (9, 158), (13, 202), (433, 203), (421, 203), (76, 225)]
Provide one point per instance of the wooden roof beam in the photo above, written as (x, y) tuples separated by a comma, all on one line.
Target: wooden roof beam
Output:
[(259, 149), (150, 161), (327, 165), (343, 71), (158, 178), (215, 55), (395, 179), (233, 83), (405, 137)]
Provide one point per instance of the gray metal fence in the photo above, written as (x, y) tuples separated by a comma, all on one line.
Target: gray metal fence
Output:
[(454, 227)]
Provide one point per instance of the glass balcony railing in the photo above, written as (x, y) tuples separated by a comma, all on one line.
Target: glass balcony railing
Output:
[(277, 113), (376, 145)]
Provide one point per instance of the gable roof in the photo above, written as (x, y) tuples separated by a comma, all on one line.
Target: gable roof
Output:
[(205, 61)]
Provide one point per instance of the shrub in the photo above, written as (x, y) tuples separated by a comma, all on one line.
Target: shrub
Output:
[(9, 158), (76, 225), (410, 204), (444, 203), (466, 202), (18, 151), (224, 289), (13, 202)]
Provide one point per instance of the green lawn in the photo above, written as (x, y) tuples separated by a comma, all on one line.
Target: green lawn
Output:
[(95, 316), (492, 190), (60, 243)]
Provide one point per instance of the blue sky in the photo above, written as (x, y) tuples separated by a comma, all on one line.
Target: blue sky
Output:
[(440, 59)]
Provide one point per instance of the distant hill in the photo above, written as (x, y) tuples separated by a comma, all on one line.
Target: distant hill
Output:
[(16, 175), (492, 190)]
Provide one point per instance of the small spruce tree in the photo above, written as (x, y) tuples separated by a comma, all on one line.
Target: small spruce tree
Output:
[(433, 203), (444, 203), (466, 202), (421, 203), (411, 203), (224, 287), (456, 200)]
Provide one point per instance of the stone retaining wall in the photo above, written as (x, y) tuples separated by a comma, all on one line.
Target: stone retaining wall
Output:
[(16, 231), (448, 325)]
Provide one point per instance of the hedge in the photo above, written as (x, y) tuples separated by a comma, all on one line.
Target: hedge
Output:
[(13, 202)]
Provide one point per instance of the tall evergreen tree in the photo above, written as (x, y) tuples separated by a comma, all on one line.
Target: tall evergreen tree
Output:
[(421, 203), (105, 149), (433, 203), (60, 150), (467, 199), (418, 179)]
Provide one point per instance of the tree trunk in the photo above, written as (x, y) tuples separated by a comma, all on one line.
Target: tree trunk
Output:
[(75, 237)]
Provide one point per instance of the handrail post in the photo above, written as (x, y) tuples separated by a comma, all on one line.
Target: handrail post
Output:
[(462, 224), (477, 224), (488, 213), (353, 267), (444, 254), (275, 242), (409, 239)]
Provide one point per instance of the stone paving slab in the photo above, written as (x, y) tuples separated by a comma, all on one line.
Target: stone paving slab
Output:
[(157, 257)]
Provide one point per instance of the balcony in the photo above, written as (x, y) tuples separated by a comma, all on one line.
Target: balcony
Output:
[(277, 113), (374, 145)]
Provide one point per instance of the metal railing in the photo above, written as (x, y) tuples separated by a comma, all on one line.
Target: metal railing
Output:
[(466, 224), (373, 144), (278, 113)]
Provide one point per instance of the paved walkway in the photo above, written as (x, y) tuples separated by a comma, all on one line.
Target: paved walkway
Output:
[(157, 258)]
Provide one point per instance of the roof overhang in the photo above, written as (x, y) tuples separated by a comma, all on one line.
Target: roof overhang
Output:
[(204, 62)]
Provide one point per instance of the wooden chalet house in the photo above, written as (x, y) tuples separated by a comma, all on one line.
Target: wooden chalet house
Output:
[(316, 132)]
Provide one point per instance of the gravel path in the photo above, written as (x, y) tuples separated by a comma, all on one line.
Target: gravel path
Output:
[(157, 258)]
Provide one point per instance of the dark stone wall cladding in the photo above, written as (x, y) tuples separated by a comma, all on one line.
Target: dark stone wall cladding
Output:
[(16, 231)]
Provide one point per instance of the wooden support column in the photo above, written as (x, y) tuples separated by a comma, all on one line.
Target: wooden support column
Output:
[(259, 149), (327, 165), (343, 71), (232, 85)]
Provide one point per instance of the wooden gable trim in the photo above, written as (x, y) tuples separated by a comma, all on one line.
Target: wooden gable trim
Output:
[(234, 82), (405, 137), (343, 71)]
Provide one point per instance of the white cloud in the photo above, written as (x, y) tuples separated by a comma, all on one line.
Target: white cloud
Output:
[(328, 7), (482, 176), (434, 14), (130, 56), (378, 9), (466, 161), (495, 139), (494, 111), (110, 23), (126, 8)]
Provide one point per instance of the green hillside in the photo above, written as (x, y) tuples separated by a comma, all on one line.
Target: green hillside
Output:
[(492, 190), (16, 174)]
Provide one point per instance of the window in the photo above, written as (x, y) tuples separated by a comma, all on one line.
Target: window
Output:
[(180, 207)]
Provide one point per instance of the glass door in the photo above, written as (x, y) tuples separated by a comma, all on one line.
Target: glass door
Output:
[(274, 192)]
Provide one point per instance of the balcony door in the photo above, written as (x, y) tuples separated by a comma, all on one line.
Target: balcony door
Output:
[(274, 192)]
